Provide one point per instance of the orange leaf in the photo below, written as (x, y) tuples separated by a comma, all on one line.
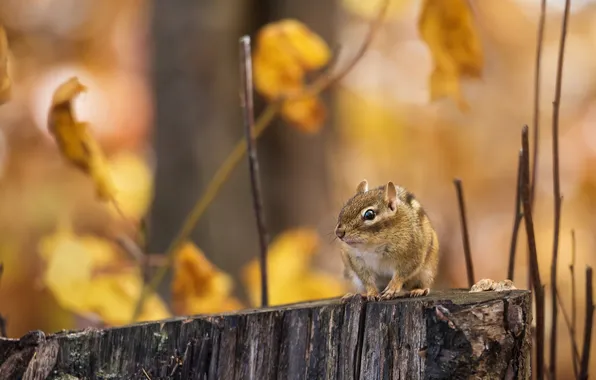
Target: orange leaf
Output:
[(75, 141), (307, 113), (447, 28), (273, 79), (198, 287), (285, 51)]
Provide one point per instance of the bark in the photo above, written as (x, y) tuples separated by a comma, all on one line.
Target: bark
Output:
[(447, 335)]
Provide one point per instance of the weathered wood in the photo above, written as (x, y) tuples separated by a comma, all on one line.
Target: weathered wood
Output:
[(447, 335)]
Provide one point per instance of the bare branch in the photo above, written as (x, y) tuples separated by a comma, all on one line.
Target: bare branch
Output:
[(583, 373), (247, 103), (536, 116), (464, 232), (557, 189), (573, 301), (534, 270), (130, 247), (328, 80), (575, 357), (517, 221)]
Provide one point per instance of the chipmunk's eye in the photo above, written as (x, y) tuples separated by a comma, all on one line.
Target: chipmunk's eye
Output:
[(369, 214)]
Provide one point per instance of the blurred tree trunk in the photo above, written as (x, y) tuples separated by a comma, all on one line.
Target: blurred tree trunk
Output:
[(198, 121), (297, 183)]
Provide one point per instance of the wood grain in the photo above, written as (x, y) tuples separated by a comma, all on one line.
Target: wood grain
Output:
[(447, 335)]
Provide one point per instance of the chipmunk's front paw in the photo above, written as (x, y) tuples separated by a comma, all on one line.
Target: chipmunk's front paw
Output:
[(390, 293), (419, 292), (349, 296), (372, 295)]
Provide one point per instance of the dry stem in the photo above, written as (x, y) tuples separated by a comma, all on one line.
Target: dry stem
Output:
[(247, 103), (464, 232), (535, 274), (575, 357), (557, 191), (573, 302), (583, 372), (517, 221)]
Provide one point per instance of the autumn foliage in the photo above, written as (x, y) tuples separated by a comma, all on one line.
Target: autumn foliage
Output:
[(286, 51), (74, 139), (447, 27), (93, 277)]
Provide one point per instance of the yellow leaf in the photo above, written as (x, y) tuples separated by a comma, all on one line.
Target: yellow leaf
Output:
[(71, 275), (132, 180), (198, 286), (447, 28), (291, 278), (444, 84), (306, 113), (273, 79), (74, 140), (285, 51), (5, 82)]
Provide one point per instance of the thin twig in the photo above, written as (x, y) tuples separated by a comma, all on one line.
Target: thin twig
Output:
[(553, 284), (536, 116), (557, 187), (573, 329), (517, 221), (142, 259), (141, 242), (583, 373), (146, 374), (130, 247), (534, 270), (247, 103), (231, 162), (327, 80), (575, 357), (464, 232), (179, 361)]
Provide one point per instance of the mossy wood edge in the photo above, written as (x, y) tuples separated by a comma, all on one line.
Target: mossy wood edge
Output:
[(450, 334)]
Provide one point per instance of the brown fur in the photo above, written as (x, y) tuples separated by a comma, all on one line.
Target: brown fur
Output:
[(399, 242)]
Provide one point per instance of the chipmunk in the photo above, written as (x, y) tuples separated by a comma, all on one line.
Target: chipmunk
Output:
[(386, 232)]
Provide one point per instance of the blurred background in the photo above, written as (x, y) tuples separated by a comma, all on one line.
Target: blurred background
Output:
[(163, 82)]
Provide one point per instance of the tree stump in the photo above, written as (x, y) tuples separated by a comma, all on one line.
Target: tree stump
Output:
[(447, 335)]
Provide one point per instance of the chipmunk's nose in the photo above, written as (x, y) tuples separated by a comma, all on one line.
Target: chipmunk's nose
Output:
[(340, 232)]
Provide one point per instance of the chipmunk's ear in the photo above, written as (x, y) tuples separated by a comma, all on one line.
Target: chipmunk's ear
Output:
[(362, 187), (391, 196)]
